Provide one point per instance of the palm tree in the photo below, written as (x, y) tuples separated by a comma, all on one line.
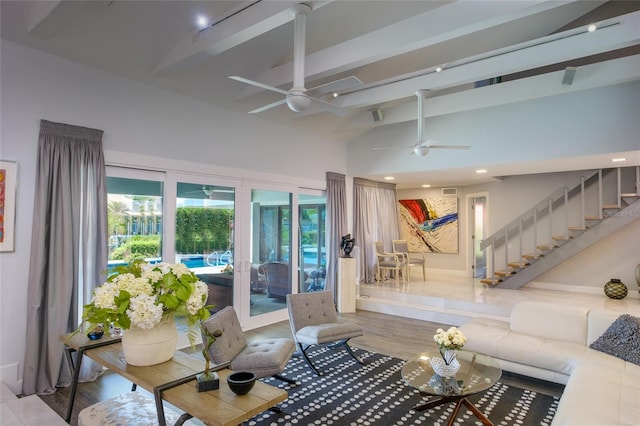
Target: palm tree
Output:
[(116, 217)]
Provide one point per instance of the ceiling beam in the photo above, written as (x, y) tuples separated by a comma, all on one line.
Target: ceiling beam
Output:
[(436, 26), (46, 17), (613, 34), (587, 77), (257, 19)]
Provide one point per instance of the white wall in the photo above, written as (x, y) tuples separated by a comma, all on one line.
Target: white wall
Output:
[(143, 126)]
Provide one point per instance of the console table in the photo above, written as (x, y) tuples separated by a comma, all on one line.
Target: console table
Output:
[(174, 381)]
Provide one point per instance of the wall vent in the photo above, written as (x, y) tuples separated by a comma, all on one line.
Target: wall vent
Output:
[(449, 191)]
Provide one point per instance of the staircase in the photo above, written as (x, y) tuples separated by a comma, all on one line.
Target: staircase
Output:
[(562, 225)]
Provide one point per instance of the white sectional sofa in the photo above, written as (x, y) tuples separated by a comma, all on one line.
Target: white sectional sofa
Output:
[(551, 342)]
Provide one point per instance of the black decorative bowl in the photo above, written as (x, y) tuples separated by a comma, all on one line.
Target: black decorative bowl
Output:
[(241, 382)]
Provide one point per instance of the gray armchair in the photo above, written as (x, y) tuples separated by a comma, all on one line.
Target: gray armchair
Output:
[(412, 258), (314, 321), (263, 358), (385, 261)]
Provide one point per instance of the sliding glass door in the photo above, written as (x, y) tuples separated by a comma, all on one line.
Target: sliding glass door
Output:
[(204, 236), (270, 242)]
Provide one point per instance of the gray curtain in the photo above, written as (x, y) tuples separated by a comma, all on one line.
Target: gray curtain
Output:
[(336, 225), (68, 246), (375, 214)]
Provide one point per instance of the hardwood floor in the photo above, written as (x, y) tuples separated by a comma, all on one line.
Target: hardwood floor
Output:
[(391, 335)]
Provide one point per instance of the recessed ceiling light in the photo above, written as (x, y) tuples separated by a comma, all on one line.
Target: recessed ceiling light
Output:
[(202, 21), (480, 171), (389, 178), (618, 160), (426, 185), (591, 28), (439, 68), (335, 94)]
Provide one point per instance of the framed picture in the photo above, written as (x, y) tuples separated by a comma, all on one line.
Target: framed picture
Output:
[(8, 184), (430, 225)]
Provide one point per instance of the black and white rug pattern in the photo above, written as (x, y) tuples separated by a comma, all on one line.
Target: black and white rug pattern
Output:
[(375, 394)]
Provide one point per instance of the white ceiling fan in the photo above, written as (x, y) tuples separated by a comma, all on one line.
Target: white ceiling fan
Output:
[(422, 147), (297, 98)]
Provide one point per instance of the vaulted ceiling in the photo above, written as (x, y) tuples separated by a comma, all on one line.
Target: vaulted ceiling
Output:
[(392, 48)]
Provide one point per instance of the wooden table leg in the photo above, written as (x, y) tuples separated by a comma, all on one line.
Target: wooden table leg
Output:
[(459, 402), (479, 414)]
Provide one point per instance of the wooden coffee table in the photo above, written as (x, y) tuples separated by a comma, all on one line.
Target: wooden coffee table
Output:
[(477, 373), (174, 381)]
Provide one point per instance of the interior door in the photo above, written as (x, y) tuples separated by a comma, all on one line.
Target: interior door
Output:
[(478, 232)]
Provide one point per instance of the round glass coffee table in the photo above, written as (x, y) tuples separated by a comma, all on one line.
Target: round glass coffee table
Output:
[(477, 373)]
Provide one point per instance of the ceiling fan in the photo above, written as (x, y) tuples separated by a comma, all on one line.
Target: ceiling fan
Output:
[(297, 98), (422, 147)]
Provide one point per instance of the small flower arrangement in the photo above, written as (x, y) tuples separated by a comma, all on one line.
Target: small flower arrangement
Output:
[(228, 269), (141, 295), (449, 341)]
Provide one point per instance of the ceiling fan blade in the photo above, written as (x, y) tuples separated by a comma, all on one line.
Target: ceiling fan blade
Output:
[(266, 107), (257, 84), (450, 146)]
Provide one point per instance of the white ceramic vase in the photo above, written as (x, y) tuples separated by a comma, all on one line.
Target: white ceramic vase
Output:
[(149, 347), (444, 369)]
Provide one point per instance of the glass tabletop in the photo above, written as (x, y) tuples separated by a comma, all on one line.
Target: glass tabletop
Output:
[(477, 373)]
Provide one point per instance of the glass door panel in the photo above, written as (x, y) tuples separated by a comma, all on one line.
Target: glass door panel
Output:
[(134, 217), (311, 230), (270, 253), (204, 237)]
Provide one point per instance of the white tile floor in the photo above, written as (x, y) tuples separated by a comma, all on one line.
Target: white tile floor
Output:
[(455, 299)]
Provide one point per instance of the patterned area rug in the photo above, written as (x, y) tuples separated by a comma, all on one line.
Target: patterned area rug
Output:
[(375, 394)]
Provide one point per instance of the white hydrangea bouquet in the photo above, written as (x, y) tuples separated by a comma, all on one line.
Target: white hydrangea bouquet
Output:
[(142, 295), (449, 341)]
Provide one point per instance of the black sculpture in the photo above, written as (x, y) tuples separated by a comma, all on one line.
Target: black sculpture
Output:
[(346, 245)]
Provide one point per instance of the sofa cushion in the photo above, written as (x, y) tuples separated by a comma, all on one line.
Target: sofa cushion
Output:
[(550, 321), (602, 390), (621, 339)]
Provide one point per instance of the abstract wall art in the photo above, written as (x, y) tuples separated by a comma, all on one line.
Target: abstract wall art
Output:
[(430, 224), (8, 175)]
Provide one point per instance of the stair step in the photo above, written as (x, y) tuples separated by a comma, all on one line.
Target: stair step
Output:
[(629, 194), (531, 256), (490, 281), (518, 265), (610, 207), (503, 274), (593, 217), (577, 228), (547, 247), (561, 237)]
